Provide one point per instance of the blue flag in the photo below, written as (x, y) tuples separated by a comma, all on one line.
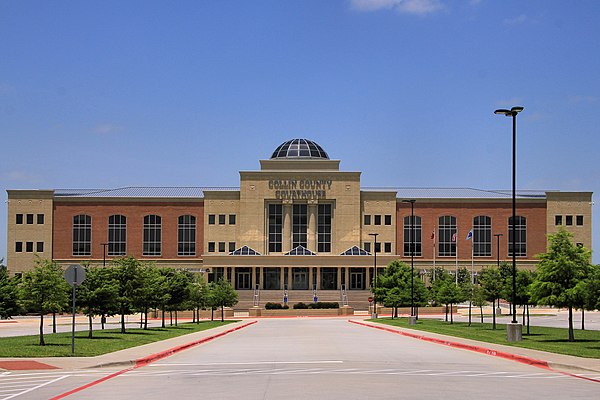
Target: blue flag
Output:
[(470, 234)]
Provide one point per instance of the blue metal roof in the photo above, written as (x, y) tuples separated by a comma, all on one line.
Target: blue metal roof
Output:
[(457, 193), (139, 192)]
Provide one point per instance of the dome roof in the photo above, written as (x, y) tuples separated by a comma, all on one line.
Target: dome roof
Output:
[(299, 148)]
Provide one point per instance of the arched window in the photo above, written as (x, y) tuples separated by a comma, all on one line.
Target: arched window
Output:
[(117, 235), (82, 235), (407, 236), (152, 236), (186, 235), (520, 242), (447, 236), (482, 236)]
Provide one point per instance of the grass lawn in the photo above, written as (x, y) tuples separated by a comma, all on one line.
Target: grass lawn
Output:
[(103, 341), (554, 340)]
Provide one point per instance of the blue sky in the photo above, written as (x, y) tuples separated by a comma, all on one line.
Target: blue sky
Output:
[(187, 93)]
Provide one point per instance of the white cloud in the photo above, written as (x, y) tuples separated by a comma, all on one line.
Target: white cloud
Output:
[(418, 7), (105, 129), (519, 19)]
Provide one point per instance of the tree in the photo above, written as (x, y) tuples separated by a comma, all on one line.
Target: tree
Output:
[(44, 290), (98, 294), (224, 295), (126, 273), (560, 274), (491, 281), (445, 291), (394, 287), (479, 299), (178, 283), (9, 293), (199, 296), (149, 293), (591, 288), (524, 280)]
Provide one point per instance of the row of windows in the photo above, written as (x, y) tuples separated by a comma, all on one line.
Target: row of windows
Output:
[(447, 236), (212, 247), (212, 219), (117, 235), (28, 218), (300, 227), (387, 247), (558, 220), (39, 247), (387, 219)]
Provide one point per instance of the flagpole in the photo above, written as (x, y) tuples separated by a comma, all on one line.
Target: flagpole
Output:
[(456, 241), (433, 234)]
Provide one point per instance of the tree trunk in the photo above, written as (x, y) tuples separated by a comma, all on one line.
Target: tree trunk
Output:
[(523, 316), (481, 313), (446, 312), (212, 313), (470, 313), (102, 320), (163, 316), (451, 316), (90, 330), (494, 314), (571, 335), (582, 319), (122, 320), (171, 317), (146, 318), (175, 317), (222, 312), (42, 343), (528, 319), (53, 322), (141, 319)]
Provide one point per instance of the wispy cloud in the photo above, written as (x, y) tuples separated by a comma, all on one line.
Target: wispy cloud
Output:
[(18, 176), (106, 129), (519, 19), (417, 7), (577, 99)]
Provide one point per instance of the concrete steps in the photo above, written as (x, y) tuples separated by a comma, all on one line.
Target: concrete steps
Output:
[(358, 299)]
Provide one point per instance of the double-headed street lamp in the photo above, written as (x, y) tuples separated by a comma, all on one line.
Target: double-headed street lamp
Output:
[(513, 113), (498, 250), (412, 258), (374, 274)]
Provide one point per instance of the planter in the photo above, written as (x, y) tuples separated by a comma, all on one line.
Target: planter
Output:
[(323, 312)]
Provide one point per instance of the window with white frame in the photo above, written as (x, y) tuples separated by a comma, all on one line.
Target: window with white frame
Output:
[(117, 235), (447, 236), (408, 232), (482, 236), (82, 235), (186, 235), (152, 236), (520, 242)]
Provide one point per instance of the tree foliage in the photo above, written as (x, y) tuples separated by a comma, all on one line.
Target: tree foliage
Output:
[(9, 294)]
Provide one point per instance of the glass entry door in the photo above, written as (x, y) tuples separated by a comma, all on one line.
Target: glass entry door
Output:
[(299, 278), (272, 278), (357, 278), (243, 278)]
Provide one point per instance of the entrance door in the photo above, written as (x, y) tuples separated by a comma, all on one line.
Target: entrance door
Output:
[(300, 279), (272, 278), (243, 279), (357, 278)]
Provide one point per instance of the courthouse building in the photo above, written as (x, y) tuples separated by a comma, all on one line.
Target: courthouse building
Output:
[(299, 226)]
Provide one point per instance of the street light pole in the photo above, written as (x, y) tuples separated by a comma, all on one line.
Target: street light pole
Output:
[(513, 113), (412, 320), (374, 274), (104, 253), (498, 247)]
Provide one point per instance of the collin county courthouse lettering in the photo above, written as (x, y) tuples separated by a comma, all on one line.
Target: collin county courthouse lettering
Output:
[(298, 227)]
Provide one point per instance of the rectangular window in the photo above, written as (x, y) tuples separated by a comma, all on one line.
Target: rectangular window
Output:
[(377, 219), (409, 230), (569, 220), (231, 219), (18, 247), (324, 228), (367, 246), (117, 235), (152, 235), (299, 225), (40, 219), (579, 220), (388, 219), (39, 247), (482, 236), (19, 219), (387, 247), (521, 237), (211, 247), (378, 247), (82, 235), (211, 219), (275, 227), (447, 236), (231, 247), (29, 219), (367, 220), (558, 220), (186, 236), (29, 247), (221, 219), (221, 247)]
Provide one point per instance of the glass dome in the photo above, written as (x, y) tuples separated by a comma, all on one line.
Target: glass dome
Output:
[(299, 148)]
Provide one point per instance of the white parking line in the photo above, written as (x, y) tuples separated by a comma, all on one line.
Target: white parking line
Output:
[(36, 387)]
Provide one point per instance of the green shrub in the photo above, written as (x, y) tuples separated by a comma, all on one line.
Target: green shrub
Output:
[(273, 306), (300, 306)]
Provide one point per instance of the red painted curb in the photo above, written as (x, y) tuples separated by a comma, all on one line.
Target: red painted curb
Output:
[(483, 350), (140, 362)]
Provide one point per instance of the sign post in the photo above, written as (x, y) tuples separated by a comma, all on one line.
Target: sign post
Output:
[(74, 275)]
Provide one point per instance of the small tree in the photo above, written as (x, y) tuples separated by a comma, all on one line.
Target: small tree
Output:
[(491, 281), (223, 295), (479, 299), (9, 293), (524, 280), (98, 294), (44, 290), (199, 296), (126, 274), (178, 289), (560, 274)]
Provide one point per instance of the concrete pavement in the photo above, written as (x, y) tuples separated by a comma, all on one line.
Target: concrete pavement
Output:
[(147, 353)]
